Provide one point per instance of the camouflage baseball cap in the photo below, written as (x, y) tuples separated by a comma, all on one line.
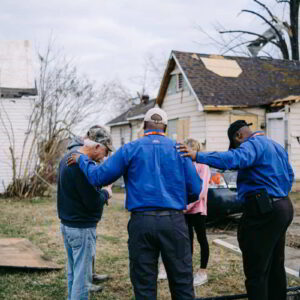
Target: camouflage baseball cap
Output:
[(100, 135)]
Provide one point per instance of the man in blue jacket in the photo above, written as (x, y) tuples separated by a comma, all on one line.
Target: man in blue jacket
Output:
[(80, 207), (264, 180), (159, 183)]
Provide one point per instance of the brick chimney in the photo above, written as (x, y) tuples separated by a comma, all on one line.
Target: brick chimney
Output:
[(145, 99)]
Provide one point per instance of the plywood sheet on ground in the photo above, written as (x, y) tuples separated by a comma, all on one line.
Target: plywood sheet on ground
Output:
[(21, 253)]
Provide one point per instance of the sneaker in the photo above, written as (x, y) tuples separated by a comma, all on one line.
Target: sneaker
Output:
[(162, 275), (200, 278), (95, 288), (100, 278)]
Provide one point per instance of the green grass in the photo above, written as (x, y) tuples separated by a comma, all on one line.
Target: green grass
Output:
[(118, 189), (18, 284), (37, 221)]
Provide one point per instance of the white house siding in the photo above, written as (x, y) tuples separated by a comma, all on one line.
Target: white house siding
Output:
[(117, 131), (16, 66), (208, 127), (217, 124), (216, 131), (136, 126), (183, 106), (16, 113), (115, 135), (294, 132)]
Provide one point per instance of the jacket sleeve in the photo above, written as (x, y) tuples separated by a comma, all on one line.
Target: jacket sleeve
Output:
[(193, 181), (243, 157), (105, 173)]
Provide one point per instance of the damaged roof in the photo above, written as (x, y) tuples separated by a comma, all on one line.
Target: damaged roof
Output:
[(135, 112), (16, 69), (260, 82)]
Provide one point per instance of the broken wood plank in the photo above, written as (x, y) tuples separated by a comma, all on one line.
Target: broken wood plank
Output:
[(291, 258), (21, 253)]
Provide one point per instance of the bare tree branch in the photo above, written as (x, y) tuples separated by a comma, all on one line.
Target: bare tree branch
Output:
[(250, 33), (282, 43), (267, 9), (274, 36), (235, 46), (65, 100)]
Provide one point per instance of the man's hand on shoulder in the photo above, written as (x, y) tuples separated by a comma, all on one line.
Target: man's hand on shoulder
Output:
[(73, 159), (187, 152), (108, 189)]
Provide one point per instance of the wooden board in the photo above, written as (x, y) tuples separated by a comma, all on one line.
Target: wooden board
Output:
[(291, 255), (222, 67), (21, 253)]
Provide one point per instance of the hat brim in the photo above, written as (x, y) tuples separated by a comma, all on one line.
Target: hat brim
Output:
[(110, 148)]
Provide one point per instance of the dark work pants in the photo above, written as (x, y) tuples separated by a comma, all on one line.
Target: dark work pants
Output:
[(148, 237), (197, 222), (261, 239)]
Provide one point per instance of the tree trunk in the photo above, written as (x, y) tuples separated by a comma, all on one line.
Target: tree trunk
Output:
[(294, 19)]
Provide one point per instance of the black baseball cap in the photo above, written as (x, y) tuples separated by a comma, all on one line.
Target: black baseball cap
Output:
[(233, 128)]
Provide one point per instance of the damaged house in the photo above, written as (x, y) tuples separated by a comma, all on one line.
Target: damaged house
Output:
[(203, 94)]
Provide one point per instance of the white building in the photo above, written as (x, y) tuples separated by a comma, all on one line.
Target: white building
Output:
[(17, 92)]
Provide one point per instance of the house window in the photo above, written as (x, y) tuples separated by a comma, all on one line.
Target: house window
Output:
[(183, 127), (122, 136), (122, 141), (172, 129), (180, 82), (177, 83)]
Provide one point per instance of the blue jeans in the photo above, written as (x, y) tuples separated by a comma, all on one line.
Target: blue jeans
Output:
[(80, 244)]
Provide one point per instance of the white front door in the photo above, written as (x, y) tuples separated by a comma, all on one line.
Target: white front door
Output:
[(276, 127)]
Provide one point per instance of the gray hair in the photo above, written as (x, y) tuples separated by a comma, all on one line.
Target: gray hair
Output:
[(90, 144)]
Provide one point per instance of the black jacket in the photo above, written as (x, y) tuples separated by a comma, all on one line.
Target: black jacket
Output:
[(78, 203)]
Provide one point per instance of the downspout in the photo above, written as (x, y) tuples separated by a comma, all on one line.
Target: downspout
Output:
[(130, 126), (287, 141)]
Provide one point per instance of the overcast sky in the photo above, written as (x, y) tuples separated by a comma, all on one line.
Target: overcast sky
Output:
[(111, 38)]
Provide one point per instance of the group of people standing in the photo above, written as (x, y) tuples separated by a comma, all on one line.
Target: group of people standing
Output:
[(166, 194)]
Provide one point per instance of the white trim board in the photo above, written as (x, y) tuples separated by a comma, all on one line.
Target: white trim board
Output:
[(237, 250), (136, 117), (118, 123)]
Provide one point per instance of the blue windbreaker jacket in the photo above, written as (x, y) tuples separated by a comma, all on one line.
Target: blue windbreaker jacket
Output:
[(262, 164), (156, 176)]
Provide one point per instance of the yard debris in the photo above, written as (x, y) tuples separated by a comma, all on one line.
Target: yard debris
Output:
[(21, 253)]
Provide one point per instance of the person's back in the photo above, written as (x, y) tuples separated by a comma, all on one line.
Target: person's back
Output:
[(155, 174), (265, 178), (275, 177)]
